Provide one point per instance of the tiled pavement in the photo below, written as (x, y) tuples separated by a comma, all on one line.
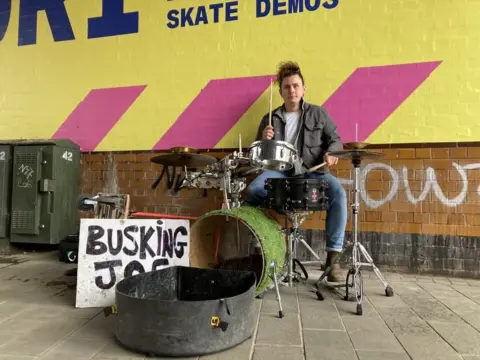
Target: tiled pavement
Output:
[(428, 318)]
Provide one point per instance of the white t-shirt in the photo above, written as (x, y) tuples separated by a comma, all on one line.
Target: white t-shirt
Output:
[(291, 127)]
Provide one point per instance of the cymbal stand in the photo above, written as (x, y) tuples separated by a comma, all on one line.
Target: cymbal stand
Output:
[(358, 250)]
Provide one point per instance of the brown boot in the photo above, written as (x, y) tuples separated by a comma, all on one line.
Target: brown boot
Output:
[(336, 274)]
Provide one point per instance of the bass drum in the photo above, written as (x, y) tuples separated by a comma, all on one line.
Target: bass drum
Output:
[(242, 238)]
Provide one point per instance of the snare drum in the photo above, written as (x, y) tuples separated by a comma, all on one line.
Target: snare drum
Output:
[(296, 194), (272, 155)]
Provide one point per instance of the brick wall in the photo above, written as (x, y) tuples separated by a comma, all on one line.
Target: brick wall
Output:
[(419, 206)]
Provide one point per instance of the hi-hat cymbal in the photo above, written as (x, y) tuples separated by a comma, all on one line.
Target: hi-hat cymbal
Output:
[(356, 145), (184, 159), (183, 149), (356, 154)]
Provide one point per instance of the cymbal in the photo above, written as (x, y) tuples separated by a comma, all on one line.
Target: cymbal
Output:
[(183, 149), (356, 154), (356, 145), (183, 159)]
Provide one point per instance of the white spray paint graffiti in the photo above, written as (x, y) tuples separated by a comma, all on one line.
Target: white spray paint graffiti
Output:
[(25, 176), (430, 184)]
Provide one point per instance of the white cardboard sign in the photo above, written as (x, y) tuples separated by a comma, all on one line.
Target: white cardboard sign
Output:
[(112, 249)]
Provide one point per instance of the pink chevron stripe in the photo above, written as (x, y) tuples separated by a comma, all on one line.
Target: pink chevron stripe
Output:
[(96, 115), (215, 110), (371, 94)]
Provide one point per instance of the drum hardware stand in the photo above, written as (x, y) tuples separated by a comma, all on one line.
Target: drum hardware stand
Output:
[(273, 276), (294, 237), (357, 248), (219, 176)]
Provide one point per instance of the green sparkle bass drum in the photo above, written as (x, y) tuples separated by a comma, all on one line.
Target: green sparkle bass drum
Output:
[(242, 238)]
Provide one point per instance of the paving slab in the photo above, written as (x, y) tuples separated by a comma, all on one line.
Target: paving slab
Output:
[(404, 321), (427, 318), (289, 306), (262, 352), (432, 309), (380, 300), (381, 355), (320, 316), (237, 353), (73, 348), (471, 292), (275, 331), (441, 280), (461, 336), (440, 291), (17, 357), (371, 334), (427, 347), (112, 350), (328, 344), (473, 282)]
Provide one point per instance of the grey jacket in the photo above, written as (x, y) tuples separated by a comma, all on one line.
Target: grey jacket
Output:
[(318, 134)]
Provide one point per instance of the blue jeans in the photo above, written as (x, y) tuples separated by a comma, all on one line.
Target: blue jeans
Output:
[(336, 219)]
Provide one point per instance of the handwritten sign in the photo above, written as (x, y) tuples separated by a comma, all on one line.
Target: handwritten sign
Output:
[(112, 249)]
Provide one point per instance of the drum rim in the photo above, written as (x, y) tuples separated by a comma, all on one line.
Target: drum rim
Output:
[(293, 178), (281, 142), (265, 282), (259, 164)]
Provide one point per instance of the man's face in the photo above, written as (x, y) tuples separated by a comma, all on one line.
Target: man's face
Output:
[(292, 89)]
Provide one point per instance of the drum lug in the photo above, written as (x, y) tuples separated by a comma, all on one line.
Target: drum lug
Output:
[(268, 184), (270, 202), (305, 203)]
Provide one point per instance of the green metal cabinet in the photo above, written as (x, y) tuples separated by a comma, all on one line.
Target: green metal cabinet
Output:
[(5, 189), (45, 188)]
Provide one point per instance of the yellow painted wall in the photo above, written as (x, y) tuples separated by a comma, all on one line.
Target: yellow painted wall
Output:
[(41, 84)]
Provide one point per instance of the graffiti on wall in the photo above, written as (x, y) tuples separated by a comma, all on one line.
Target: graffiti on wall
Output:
[(430, 185), (128, 75)]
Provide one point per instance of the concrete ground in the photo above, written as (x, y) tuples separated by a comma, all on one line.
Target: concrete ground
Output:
[(428, 318)]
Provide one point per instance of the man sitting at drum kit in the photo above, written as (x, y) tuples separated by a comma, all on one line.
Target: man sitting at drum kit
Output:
[(312, 132)]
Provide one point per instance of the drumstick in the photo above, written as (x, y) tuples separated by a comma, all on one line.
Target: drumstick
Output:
[(271, 101), (316, 167)]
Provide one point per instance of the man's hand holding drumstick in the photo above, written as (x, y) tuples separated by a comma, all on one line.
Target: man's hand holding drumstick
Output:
[(329, 161), (268, 133)]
